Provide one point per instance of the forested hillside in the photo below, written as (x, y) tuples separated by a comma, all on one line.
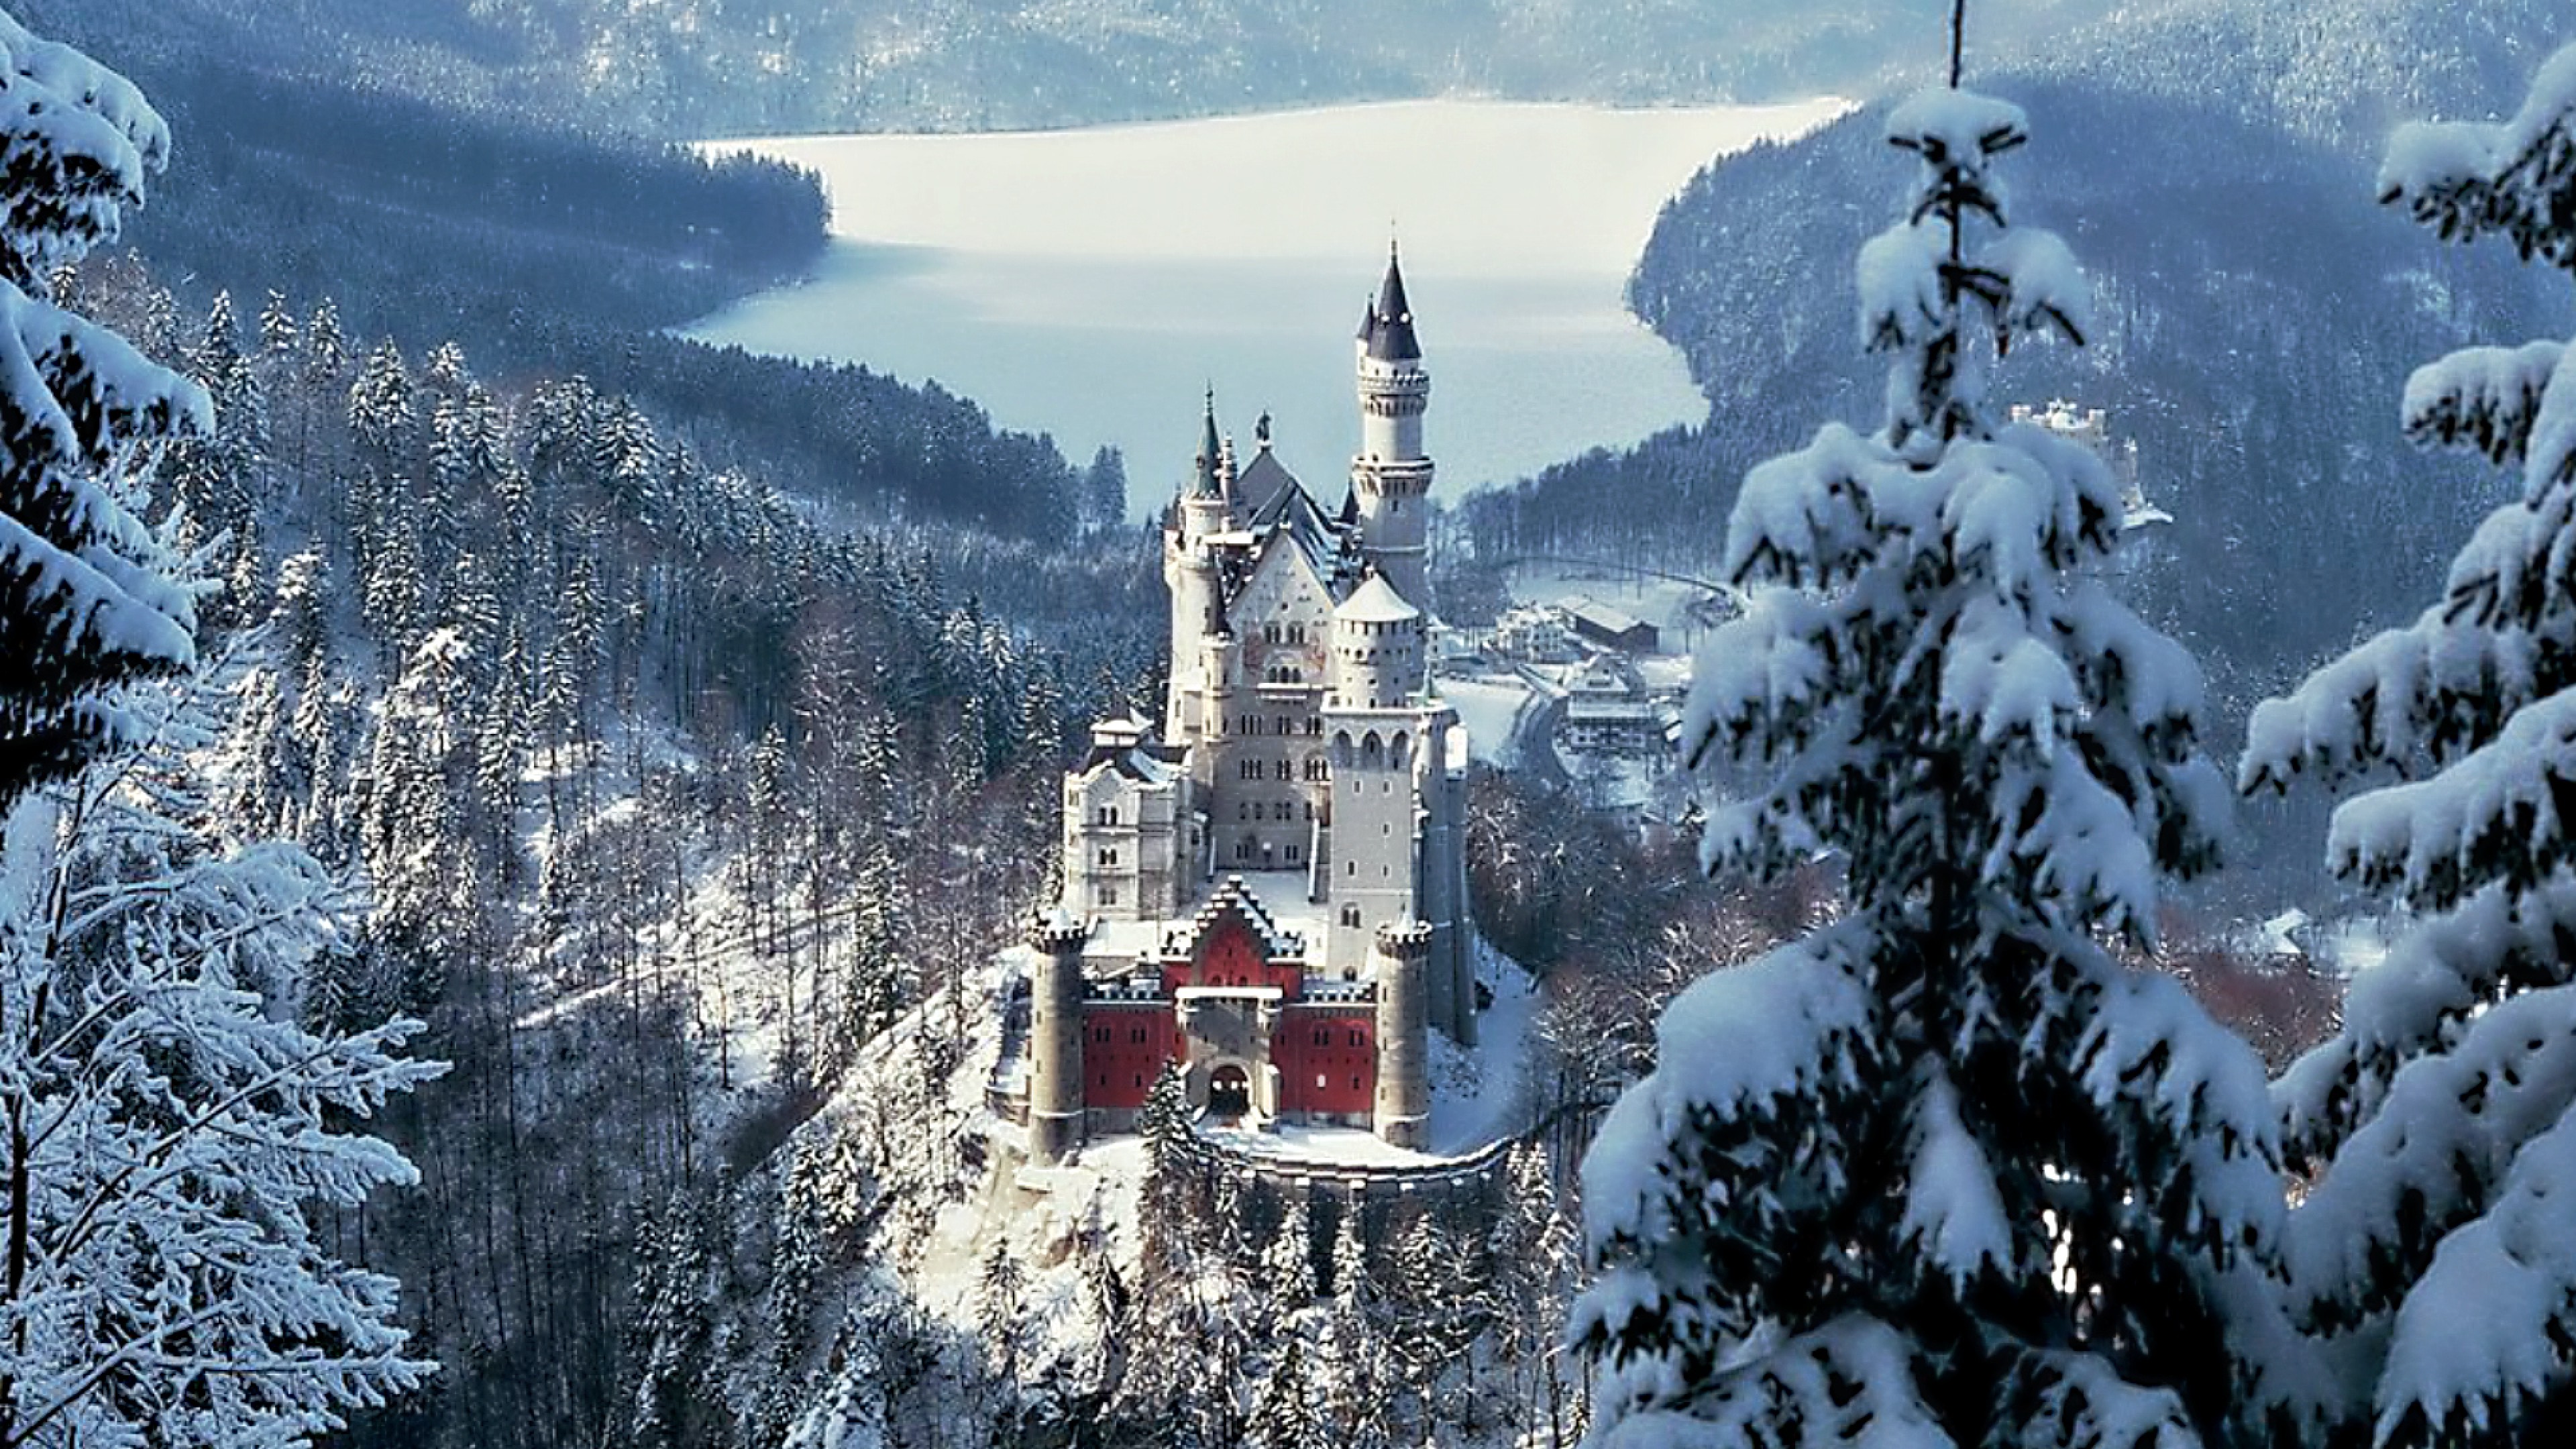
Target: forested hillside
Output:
[(544, 249), (603, 743), (701, 68)]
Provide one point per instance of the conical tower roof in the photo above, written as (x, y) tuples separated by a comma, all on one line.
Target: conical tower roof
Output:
[(1203, 484), (1375, 601), (1386, 329)]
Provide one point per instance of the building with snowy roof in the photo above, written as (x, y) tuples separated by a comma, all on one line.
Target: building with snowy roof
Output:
[(1270, 890), (1609, 627)]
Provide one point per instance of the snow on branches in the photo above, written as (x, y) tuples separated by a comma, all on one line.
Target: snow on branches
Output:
[(166, 1126), (1944, 1172), (78, 612), (2443, 1115)]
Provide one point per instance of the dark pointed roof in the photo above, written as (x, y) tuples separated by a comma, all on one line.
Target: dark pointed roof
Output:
[(1203, 483), (1387, 326)]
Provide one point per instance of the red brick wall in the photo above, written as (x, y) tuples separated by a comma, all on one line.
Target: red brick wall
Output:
[(1340, 1048), (1229, 955), (1123, 1049)]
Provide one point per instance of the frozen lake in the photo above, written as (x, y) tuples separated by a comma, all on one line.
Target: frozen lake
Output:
[(1091, 283)]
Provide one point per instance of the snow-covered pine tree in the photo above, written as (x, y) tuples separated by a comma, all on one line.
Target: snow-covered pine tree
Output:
[(1288, 1262), (1284, 1416), (1001, 1308), (1943, 1173), (2439, 1245), (326, 347), (278, 333), (79, 612), (170, 1136)]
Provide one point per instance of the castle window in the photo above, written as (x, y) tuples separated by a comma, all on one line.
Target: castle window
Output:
[(1108, 814), (1109, 893), (1283, 771), (1316, 769), (1355, 1041), (1296, 852), (1286, 726), (1109, 857), (1249, 769), (1319, 1081), (1351, 914), (1350, 867), (1355, 1083), (1323, 1036)]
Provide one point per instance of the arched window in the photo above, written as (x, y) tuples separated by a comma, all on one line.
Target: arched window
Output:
[(1401, 751), (1372, 750)]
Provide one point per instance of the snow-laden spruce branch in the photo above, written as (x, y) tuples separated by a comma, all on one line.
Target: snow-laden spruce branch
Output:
[(168, 1125), (2437, 1250), (88, 610)]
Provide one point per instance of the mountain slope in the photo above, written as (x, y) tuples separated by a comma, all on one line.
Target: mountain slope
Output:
[(704, 67)]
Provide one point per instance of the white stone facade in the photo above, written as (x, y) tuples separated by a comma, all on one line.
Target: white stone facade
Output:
[(1301, 748)]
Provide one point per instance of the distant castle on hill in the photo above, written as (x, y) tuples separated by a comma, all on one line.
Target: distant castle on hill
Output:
[(1270, 891)]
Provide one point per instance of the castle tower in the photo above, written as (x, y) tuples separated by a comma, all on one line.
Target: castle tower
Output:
[(1399, 960), (1190, 571), (1378, 659), (1391, 477), (1055, 1038)]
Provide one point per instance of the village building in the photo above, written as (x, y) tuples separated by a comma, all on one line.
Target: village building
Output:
[(1610, 628)]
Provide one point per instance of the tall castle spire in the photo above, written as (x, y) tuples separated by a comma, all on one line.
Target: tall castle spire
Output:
[(1203, 483), (1386, 326), (1391, 477)]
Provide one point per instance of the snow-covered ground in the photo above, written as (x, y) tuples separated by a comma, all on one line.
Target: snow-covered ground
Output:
[(1090, 282), (1490, 708)]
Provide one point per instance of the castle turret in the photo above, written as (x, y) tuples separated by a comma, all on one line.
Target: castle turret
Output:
[(1055, 1038), (1391, 477), (1190, 571), (1399, 960), (1378, 659)]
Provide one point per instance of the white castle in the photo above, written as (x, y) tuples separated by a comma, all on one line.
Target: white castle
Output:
[(1271, 891)]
